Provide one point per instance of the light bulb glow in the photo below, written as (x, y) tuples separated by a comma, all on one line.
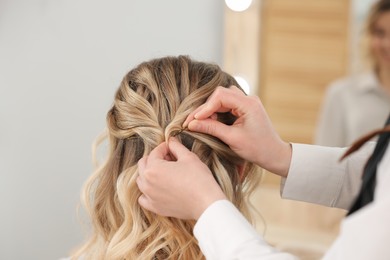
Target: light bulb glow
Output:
[(238, 5), (243, 84)]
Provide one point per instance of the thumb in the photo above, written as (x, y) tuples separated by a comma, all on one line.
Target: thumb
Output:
[(160, 152), (144, 202), (211, 127), (176, 148)]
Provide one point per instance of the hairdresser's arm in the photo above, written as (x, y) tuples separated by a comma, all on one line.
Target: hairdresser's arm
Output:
[(316, 175), (314, 172), (170, 188)]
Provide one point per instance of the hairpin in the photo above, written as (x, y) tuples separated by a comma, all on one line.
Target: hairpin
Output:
[(177, 132)]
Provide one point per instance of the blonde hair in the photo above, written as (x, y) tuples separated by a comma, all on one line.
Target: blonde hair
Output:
[(150, 105)]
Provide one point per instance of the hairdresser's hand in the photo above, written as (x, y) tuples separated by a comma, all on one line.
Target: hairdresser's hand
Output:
[(252, 135), (182, 188)]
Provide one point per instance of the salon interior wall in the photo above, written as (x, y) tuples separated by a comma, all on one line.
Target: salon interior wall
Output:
[(60, 63)]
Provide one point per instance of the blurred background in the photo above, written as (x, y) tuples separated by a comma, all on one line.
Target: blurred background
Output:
[(61, 62)]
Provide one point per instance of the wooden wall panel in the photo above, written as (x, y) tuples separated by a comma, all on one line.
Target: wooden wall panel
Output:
[(304, 46)]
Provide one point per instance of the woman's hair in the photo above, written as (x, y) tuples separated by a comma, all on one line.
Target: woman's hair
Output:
[(376, 10), (152, 102)]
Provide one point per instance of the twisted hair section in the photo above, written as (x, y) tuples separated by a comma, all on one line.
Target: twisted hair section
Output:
[(150, 105)]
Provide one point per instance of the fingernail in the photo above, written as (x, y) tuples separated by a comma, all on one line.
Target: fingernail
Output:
[(185, 124), (172, 139)]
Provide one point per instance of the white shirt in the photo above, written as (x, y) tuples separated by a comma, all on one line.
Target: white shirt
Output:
[(316, 176), (352, 107)]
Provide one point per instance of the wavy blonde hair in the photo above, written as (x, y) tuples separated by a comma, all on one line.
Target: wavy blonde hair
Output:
[(150, 105)]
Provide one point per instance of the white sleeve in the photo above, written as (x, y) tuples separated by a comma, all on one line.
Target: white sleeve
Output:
[(223, 233), (317, 176)]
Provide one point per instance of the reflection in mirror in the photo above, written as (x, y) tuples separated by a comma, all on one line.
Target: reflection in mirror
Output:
[(289, 51)]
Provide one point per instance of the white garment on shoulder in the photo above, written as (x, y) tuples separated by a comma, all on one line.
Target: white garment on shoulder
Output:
[(224, 234)]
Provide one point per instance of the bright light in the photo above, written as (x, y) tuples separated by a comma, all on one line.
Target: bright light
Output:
[(238, 5), (243, 83)]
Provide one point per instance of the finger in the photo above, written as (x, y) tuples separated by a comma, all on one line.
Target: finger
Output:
[(191, 117), (141, 165), (237, 90), (159, 153), (211, 127), (212, 106), (168, 157), (214, 116), (222, 100), (140, 183), (144, 202), (176, 148)]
